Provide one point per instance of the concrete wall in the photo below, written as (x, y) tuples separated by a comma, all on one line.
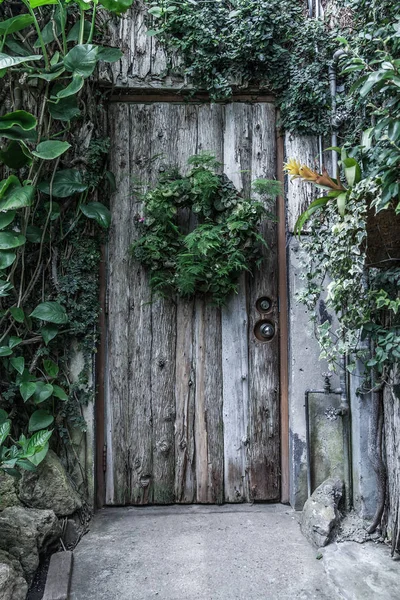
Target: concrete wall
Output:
[(306, 371)]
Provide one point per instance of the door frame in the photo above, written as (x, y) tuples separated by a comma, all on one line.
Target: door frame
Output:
[(151, 97)]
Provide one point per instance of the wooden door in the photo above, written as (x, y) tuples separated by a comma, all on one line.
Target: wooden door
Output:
[(192, 399)]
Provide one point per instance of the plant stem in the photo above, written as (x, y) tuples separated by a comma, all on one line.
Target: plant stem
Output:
[(93, 23), (39, 33), (62, 22), (81, 27)]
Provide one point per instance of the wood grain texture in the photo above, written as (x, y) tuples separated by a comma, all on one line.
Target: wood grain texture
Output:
[(391, 402), (264, 356), (193, 411), (235, 366), (118, 303)]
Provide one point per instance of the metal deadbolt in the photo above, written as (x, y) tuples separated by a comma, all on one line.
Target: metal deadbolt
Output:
[(267, 331)]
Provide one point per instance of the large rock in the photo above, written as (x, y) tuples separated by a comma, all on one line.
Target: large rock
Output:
[(48, 487), (25, 533), (8, 492), (321, 512), (12, 583)]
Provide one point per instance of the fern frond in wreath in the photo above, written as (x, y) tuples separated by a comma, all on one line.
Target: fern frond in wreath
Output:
[(224, 242)]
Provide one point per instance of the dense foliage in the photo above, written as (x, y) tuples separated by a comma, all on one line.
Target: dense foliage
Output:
[(264, 43), (50, 218), (225, 242)]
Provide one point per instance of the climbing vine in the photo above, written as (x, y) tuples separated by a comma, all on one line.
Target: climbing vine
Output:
[(53, 161), (224, 243)]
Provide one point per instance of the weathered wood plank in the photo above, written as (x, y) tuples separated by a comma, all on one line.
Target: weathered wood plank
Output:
[(185, 475), (209, 418), (235, 368), (264, 356), (208, 399), (118, 301), (138, 413)]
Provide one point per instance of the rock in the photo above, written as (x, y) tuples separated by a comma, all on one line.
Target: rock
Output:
[(12, 583), (48, 487), (8, 491), (72, 534), (27, 532), (321, 514)]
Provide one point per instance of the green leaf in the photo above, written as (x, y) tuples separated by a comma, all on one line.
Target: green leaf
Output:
[(109, 55), (16, 133), (58, 392), (34, 234), (51, 149), (73, 88), (155, 11), (49, 332), (117, 6), (65, 184), (5, 429), (48, 30), (6, 218), (40, 419), (5, 351), (373, 79), (39, 456), (51, 368), (8, 184), (18, 197), (9, 239), (305, 216), (82, 59), (73, 35), (38, 441), (36, 3), (341, 203), (43, 392), (5, 287), (7, 258), (98, 212), (51, 312), (21, 118), (65, 109), (3, 415), (14, 341), (13, 156), (352, 171), (47, 76), (7, 61), (18, 363), (15, 24), (17, 314), (27, 389)]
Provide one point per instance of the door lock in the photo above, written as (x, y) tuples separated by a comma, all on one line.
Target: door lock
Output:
[(267, 331)]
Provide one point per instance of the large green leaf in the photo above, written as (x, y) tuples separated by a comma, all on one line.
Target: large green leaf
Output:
[(40, 419), (16, 133), (8, 184), (17, 48), (15, 24), (352, 171), (341, 203), (47, 76), (7, 61), (65, 184), (18, 197), (305, 216), (51, 368), (5, 287), (65, 109), (5, 428), (51, 27), (3, 415), (82, 59), (27, 389), (58, 392), (5, 351), (109, 54), (73, 34), (52, 312), (373, 80), (21, 118), (43, 392), (51, 149), (36, 3), (6, 219), (18, 362), (7, 257), (38, 441), (17, 314), (117, 6), (14, 157), (10, 239), (49, 332), (73, 88), (98, 212)]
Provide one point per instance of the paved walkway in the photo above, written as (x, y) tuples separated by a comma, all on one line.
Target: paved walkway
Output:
[(233, 552)]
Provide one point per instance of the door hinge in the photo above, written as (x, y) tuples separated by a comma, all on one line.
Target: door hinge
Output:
[(104, 458)]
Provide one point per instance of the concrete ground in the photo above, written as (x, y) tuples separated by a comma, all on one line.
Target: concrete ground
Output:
[(233, 552)]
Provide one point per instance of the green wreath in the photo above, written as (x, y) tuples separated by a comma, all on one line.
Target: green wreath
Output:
[(210, 257)]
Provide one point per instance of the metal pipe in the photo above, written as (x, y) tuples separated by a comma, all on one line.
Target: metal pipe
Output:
[(310, 8), (333, 89)]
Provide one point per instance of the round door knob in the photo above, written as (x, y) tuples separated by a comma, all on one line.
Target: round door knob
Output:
[(267, 330)]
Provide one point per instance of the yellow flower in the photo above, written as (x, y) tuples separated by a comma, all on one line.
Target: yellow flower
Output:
[(307, 173), (292, 167)]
